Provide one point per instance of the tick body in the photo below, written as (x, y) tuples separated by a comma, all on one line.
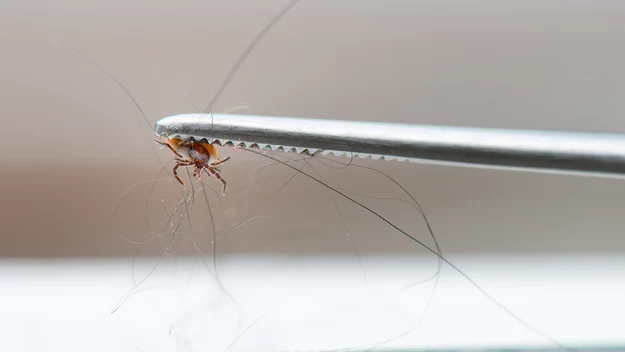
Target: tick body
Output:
[(202, 156)]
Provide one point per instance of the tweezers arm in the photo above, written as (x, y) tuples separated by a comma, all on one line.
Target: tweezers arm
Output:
[(564, 151)]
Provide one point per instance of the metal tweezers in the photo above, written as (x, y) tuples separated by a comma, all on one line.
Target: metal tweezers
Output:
[(600, 153)]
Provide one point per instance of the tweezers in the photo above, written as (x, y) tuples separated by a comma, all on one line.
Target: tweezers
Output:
[(597, 153)]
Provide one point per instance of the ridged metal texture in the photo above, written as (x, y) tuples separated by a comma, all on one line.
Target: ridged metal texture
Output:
[(559, 151)]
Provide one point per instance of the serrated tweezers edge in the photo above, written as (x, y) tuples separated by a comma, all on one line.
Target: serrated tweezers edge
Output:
[(539, 150)]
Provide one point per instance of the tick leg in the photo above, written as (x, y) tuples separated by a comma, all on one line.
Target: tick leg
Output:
[(219, 162), (206, 167), (198, 172), (168, 146), (176, 171), (212, 171)]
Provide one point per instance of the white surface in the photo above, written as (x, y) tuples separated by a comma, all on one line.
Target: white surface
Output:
[(308, 304)]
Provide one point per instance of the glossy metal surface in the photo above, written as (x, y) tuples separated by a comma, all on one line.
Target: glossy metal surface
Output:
[(562, 151)]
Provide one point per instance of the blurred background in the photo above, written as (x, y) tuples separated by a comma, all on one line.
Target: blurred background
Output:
[(78, 163)]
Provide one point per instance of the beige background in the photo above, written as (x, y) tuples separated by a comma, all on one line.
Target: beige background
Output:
[(73, 143)]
